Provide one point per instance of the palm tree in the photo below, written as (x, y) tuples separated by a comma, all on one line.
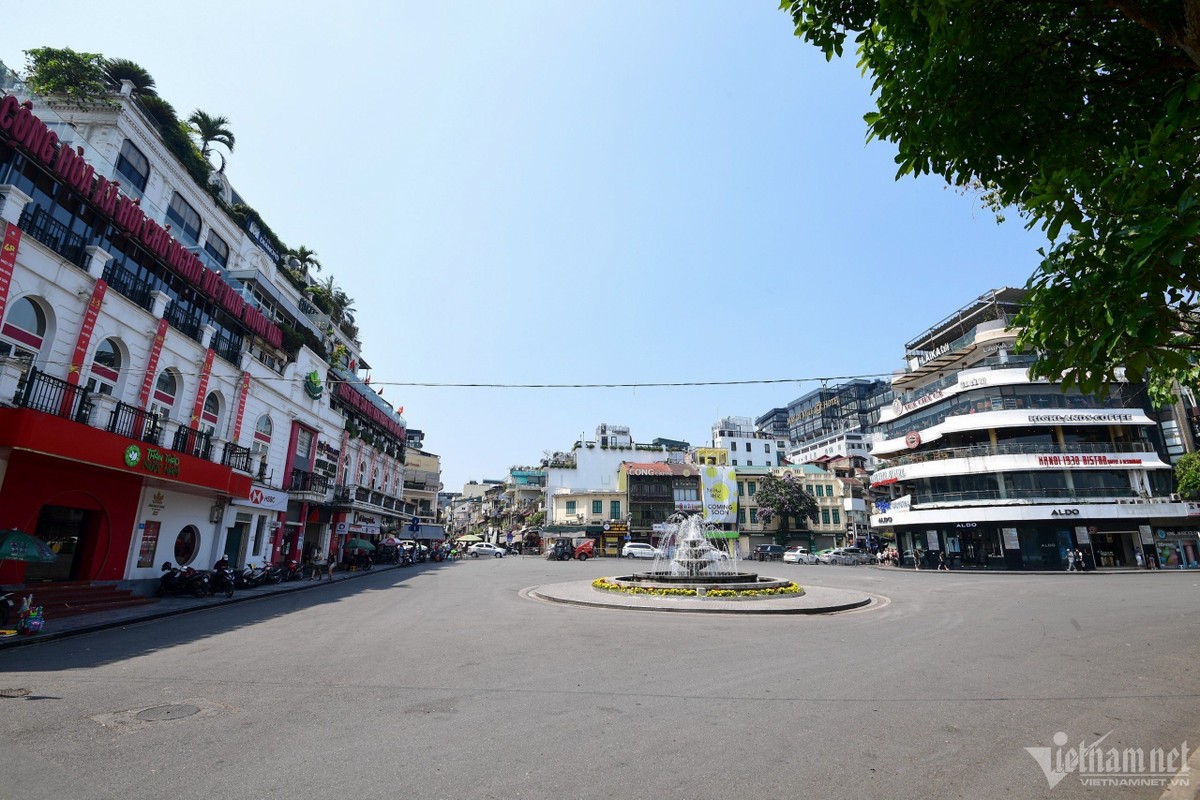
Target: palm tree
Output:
[(211, 130), (305, 259), (119, 69)]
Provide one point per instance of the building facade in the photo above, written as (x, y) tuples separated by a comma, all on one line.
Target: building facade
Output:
[(152, 406), (989, 468)]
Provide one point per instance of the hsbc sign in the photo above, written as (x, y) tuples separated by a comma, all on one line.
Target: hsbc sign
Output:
[(263, 497)]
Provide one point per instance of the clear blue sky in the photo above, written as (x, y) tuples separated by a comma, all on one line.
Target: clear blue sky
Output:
[(612, 191)]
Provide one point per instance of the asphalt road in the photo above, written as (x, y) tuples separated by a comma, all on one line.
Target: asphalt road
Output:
[(442, 681)]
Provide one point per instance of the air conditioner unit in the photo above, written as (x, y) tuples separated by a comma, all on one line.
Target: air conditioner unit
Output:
[(1174, 497)]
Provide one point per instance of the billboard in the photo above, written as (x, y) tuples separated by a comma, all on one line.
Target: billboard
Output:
[(718, 487)]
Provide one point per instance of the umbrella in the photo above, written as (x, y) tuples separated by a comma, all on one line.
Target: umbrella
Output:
[(470, 537), (390, 541), (16, 545), (360, 544)]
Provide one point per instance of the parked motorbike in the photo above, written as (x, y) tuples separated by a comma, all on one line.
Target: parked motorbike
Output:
[(274, 573), (406, 559), (176, 581), (222, 580), (250, 576), (293, 570)]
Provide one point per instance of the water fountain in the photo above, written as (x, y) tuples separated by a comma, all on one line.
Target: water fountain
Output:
[(690, 561)]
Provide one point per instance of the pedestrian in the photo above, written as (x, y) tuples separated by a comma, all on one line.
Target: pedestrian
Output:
[(942, 562), (1141, 559), (1070, 560), (331, 561), (1078, 560), (318, 565)]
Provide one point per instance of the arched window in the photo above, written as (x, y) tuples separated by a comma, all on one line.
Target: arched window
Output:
[(262, 435), (362, 471), (165, 389), (106, 368), (210, 415), (134, 166), (185, 220), (24, 330)]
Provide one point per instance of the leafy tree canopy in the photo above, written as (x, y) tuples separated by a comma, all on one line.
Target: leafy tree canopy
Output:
[(1085, 117), (119, 69), (66, 73), (1187, 475), (784, 497)]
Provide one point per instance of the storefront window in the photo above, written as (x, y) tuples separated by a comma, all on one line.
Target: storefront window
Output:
[(187, 544)]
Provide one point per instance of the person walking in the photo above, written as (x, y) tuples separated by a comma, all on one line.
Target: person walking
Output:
[(330, 562), (318, 565), (1078, 560), (942, 562)]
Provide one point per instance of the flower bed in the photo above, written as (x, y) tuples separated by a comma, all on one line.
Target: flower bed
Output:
[(605, 585)]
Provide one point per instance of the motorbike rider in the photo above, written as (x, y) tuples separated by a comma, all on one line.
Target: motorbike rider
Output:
[(222, 563)]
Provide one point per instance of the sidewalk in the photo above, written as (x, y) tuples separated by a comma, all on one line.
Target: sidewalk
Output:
[(169, 607)]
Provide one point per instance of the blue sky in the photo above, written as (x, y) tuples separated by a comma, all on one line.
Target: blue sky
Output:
[(569, 192)]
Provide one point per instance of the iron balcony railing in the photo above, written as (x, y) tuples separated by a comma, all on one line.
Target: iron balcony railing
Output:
[(135, 423), (181, 319), (38, 224), (981, 450), (42, 392), (193, 442), (237, 457), (302, 481), (130, 286)]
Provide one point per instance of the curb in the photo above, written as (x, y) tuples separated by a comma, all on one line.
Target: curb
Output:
[(25, 641)]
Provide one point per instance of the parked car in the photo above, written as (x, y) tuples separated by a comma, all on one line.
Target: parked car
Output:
[(486, 549), (769, 552), (843, 555), (799, 555), (640, 550)]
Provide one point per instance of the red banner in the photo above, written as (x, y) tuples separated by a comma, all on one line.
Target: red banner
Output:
[(202, 389), (8, 260), (75, 370), (243, 392), (152, 365)]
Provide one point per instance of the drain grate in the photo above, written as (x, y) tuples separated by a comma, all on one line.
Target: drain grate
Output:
[(14, 692), (163, 713)]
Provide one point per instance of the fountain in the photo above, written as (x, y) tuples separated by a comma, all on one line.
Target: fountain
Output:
[(690, 561)]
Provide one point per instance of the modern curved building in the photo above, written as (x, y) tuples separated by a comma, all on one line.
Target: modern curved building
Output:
[(992, 469)]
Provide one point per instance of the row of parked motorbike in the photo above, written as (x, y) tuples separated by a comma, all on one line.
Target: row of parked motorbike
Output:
[(223, 578)]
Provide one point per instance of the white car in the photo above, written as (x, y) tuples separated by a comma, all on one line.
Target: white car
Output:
[(800, 555), (640, 550), (486, 549)]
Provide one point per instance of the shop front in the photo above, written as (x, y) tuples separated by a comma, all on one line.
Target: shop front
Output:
[(256, 517), (1176, 549)]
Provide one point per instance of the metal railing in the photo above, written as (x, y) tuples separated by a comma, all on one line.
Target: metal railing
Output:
[(37, 223), (981, 450), (237, 457), (135, 423), (130, 286), (41, 392), (182, 320), (193, 442), (302, 481)]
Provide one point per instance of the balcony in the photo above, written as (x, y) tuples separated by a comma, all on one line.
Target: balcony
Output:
[(366, 499), (1024, 496), (135, 423), (979, 451), (303, 482), (236, 457), (193, 442), (37, 224), (41, 392)]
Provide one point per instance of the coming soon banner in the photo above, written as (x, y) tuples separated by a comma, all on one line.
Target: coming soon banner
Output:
[(719, 488)]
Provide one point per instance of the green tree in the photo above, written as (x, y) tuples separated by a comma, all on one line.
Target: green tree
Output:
[(119, 69), (55, 72), (211, 130), (1083, 116), (784, 497), (306, 259), (1187, 476)]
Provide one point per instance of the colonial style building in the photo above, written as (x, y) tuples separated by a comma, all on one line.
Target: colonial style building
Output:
[(155, 406)]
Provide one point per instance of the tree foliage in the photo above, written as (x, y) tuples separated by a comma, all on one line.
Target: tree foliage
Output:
[(119, 69), (62, 72), (1187, 476), (785, 497), (1086, 118), (211, 129)]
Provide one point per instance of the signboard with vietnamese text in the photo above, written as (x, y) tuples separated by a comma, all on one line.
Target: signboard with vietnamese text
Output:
[(718, 487), (8, 261)]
